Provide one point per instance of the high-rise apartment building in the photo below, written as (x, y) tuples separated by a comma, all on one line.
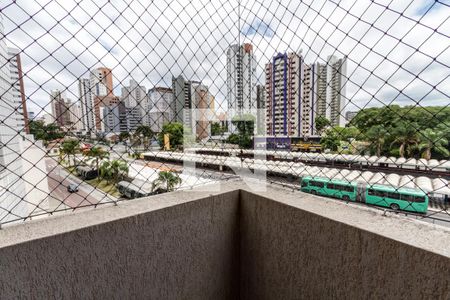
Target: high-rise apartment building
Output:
[(183, 97), (101, 90), (114, 118), (18, 90), (75, 116), (241, 81), (86, 105), (261, 110), (330, 89), (283, 94), (307, 101), (204, 109), (60, 108), (135, 99), (159, 109), (12, 187)]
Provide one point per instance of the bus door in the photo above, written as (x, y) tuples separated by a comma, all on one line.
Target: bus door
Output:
[(361, 192)]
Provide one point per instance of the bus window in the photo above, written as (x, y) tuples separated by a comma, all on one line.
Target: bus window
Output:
[(419, 199), (394, 195), (317, 184), (331, 186), (408, 198), (304, 183)]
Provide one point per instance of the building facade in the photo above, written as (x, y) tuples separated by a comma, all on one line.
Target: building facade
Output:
[(183, 100), (160, 107), (241, 81), (12, 187), (86, 105), (204, 110), (60, 109), (18, 90), (283, 94), (114, 118), (134, 96), (101, 92), (330, 86)]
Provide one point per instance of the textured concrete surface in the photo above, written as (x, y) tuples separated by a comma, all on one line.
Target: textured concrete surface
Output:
[(291, 253), (187, 251), (227, 244)]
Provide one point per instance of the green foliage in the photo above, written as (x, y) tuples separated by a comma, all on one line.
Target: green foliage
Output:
[(218, 129), (98, 153), (245, 125), (407, 130), (321, 124), (176, 134), (70, 147), (146, 133), (114, 170), (330, 140), (124, 136), (166, 182), (49, 132)]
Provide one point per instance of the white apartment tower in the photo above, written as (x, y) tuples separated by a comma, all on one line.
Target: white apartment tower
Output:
[(86, 105), (241, 81), (330, 89), (135, 99), (18, 91), (12, 187)]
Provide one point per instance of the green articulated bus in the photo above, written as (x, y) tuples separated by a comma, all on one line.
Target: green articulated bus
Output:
[(381, 195), (402, 198), (330, 187)]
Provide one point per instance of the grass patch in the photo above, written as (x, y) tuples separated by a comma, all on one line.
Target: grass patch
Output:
[(106, 187)]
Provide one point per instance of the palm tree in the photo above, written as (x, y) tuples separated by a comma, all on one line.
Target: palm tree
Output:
[(405, 135), (376, 135), (146, 132), (115, 170), (98, 153), (432, 140), (70, 147), (166, 182)]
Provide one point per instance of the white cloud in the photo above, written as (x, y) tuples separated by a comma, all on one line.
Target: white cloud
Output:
[(152, 42)]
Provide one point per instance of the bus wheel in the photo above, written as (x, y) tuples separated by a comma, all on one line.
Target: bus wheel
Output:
[(313, 192), (394, 206), (346, 198)]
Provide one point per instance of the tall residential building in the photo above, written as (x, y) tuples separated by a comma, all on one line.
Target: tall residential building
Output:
[(12, 187), (134, 97), (101, 92), (86, 105), (283, 93), (261, 112), (60, 108), (18, 91), (204, 104), (241, 81), (182, 105), (159, 110), (307, 102), (330, 89), (115, 118), (75, 116), (99, 103)]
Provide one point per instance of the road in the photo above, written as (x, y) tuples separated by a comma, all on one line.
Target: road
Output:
[(60, 198)]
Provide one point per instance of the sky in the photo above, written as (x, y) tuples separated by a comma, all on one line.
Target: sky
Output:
[(397, 50)]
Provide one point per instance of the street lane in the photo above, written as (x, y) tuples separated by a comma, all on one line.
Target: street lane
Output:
[(60, 198)]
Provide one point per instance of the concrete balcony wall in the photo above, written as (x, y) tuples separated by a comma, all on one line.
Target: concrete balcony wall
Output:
[(232, 244)]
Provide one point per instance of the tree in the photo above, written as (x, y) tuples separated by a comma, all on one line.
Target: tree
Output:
[(245, 125), (330, 140), (70, 147), (404, 135), (98, 153), (124, 136), (432, 140), (114, 170), (166, 182), (321, 124), (49, 132), (147, 134), (217, 129), (175, 131), (377, 136)]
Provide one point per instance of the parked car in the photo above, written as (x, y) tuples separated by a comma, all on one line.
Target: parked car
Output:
[(72, 188)]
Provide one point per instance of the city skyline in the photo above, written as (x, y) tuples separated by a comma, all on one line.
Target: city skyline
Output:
[(401, 87)]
